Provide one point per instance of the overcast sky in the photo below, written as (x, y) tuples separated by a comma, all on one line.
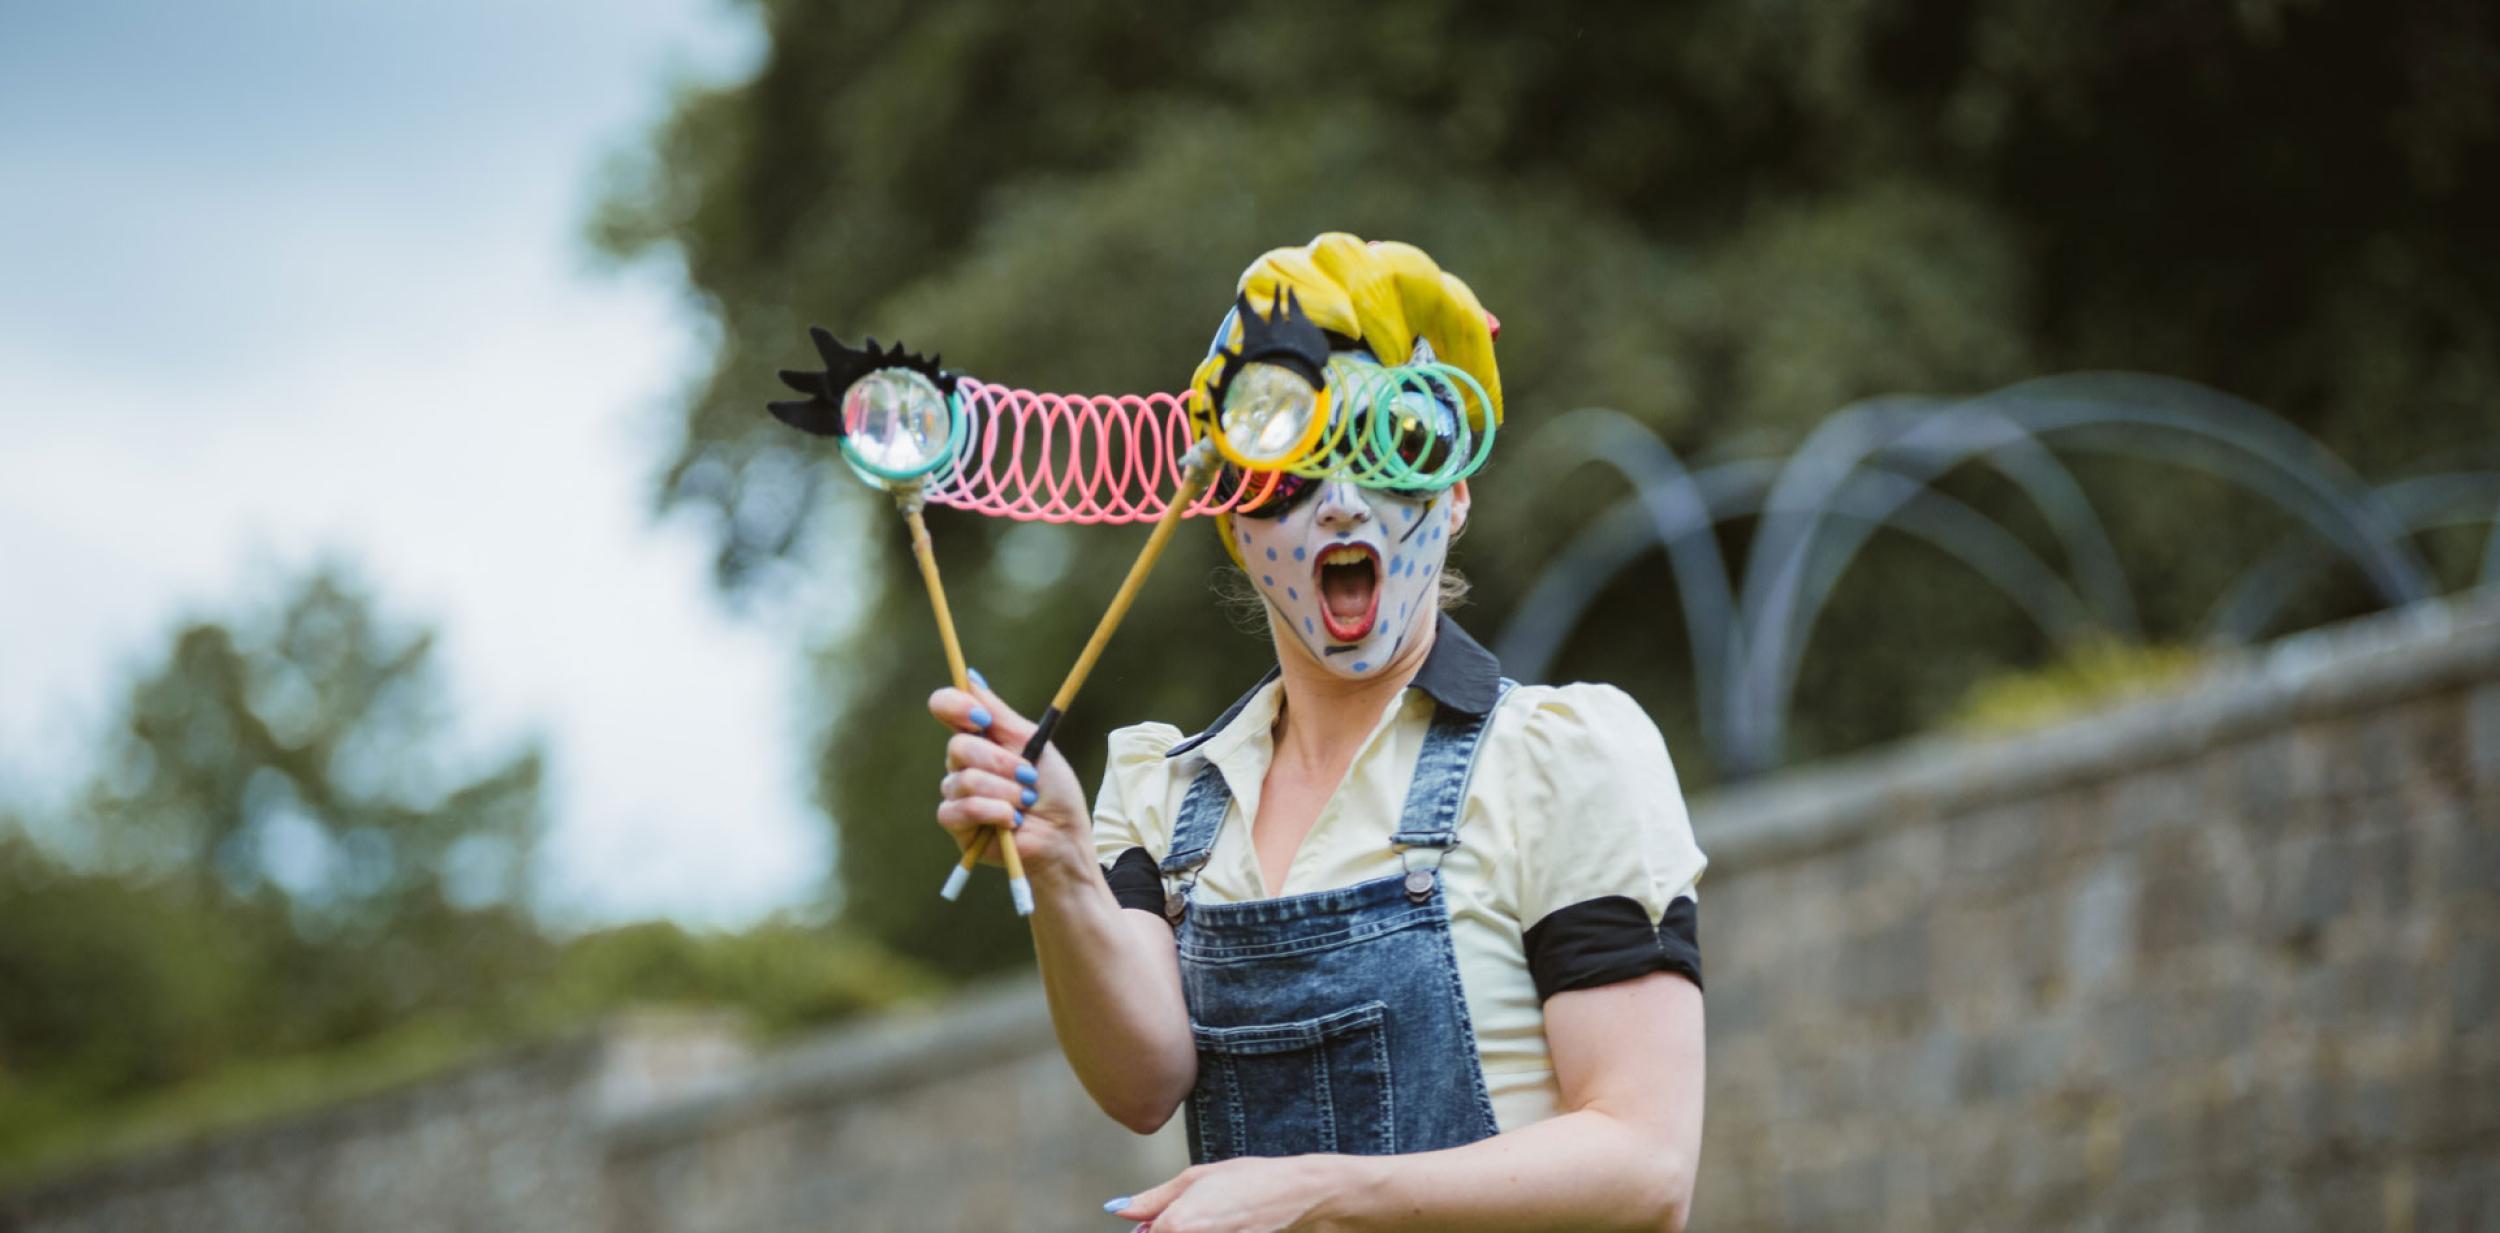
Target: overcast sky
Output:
[(280, 279)]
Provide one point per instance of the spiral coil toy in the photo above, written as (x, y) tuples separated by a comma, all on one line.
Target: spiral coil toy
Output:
[(1081, 458), (1117, 458)]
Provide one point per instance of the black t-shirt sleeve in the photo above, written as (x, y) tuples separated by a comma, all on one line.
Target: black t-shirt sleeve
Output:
[(1608, 939), (1136, 881)]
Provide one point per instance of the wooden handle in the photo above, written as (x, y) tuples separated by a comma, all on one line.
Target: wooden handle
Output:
[(926, 555), (1193, 481)]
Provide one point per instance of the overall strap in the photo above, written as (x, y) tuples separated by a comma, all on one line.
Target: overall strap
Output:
[(1202, 815), (1437, 797)]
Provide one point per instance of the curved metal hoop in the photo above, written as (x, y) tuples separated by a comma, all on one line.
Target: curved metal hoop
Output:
[(1872, 465)]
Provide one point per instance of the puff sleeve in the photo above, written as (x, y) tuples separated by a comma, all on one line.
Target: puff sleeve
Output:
[(1608, 862), (1129, 826)]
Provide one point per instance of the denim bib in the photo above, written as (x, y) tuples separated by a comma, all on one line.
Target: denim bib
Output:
[(1334, 1021)]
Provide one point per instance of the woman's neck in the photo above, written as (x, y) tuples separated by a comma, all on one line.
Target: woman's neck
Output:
[(1326, 716)]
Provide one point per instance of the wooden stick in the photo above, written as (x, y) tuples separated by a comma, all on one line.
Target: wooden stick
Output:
[(922, 552), (1198, 467)]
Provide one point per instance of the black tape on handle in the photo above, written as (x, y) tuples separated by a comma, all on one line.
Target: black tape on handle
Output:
[(1048, 724)]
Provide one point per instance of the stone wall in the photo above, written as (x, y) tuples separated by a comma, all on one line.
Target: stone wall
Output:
[(2226, 959), (966, 1119), (513, 1142)]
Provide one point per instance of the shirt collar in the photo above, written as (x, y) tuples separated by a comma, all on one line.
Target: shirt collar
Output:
[(1458, 673)]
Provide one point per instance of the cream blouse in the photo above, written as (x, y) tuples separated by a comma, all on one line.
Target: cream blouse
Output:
[(1576, 865)]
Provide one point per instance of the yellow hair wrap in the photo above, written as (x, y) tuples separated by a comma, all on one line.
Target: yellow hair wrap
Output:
[(1383, 294)]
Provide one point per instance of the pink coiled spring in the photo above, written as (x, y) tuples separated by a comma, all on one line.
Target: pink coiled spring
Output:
[(1083, 458)]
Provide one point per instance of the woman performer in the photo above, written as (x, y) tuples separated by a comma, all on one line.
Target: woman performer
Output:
[(1414, 944)]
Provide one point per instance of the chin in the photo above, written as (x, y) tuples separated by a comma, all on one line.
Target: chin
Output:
[(1366, 656)]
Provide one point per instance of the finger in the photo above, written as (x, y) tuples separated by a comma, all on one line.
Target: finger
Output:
[(968, 751), (1145, 1205), (970, 782), (957, 784), (963, 831), (1011, 728), (961, 818), (960, 711)]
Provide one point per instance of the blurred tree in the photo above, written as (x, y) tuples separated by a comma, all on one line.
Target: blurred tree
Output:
[(1725, 218), (280, 850), (287, 859), (781, 974), (302, 754)]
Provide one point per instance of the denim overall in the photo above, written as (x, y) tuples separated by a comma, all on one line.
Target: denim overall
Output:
[(1333, 1021)]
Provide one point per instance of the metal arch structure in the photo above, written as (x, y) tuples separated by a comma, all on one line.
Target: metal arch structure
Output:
[(2224, 436), (1563, 591), (1678, 504), (2491, 551), (2250, 605), (1872, 465)]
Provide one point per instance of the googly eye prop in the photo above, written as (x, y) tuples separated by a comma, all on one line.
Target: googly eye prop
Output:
[(892, 412), (1271, 395)]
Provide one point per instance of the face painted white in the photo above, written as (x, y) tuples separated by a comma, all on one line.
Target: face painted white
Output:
[(1356, 617)]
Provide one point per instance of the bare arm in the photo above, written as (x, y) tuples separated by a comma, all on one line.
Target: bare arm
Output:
[(1111, 974), (1628, 1058)]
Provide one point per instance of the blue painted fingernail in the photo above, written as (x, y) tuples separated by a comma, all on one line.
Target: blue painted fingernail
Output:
[(977, 681), (980, 717), (1026, 775), (1117, 1205), (1019, 819), (1031, 796)]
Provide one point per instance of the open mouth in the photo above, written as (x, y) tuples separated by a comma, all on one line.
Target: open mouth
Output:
[(1349, 591)]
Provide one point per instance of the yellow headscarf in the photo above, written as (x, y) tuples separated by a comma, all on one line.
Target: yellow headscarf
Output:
[(1383, 294)]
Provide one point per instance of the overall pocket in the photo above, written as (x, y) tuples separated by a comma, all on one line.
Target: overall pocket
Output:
[(1283, 1089)]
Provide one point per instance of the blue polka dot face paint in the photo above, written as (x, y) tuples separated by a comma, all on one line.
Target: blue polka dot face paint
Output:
[(1353, 571)]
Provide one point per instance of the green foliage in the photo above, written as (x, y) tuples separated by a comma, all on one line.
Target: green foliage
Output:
[(81, 951), (1725, 218), (781, 975), (300, 754), (142, 1020), (287, 884), (2095, 674)]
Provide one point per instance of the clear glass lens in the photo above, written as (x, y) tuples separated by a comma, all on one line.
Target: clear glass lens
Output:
[(1423, 429), (894, 420), (1267, 412)]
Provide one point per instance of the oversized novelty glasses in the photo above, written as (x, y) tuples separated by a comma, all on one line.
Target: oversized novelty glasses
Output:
[(1399, 430), (1285, 404)]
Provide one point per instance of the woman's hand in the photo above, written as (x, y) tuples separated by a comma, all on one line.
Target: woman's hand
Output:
[(988, 783), (1248, 1194)]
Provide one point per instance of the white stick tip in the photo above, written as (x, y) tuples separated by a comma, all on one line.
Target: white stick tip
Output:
[(954, 887), (1022, 891)]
